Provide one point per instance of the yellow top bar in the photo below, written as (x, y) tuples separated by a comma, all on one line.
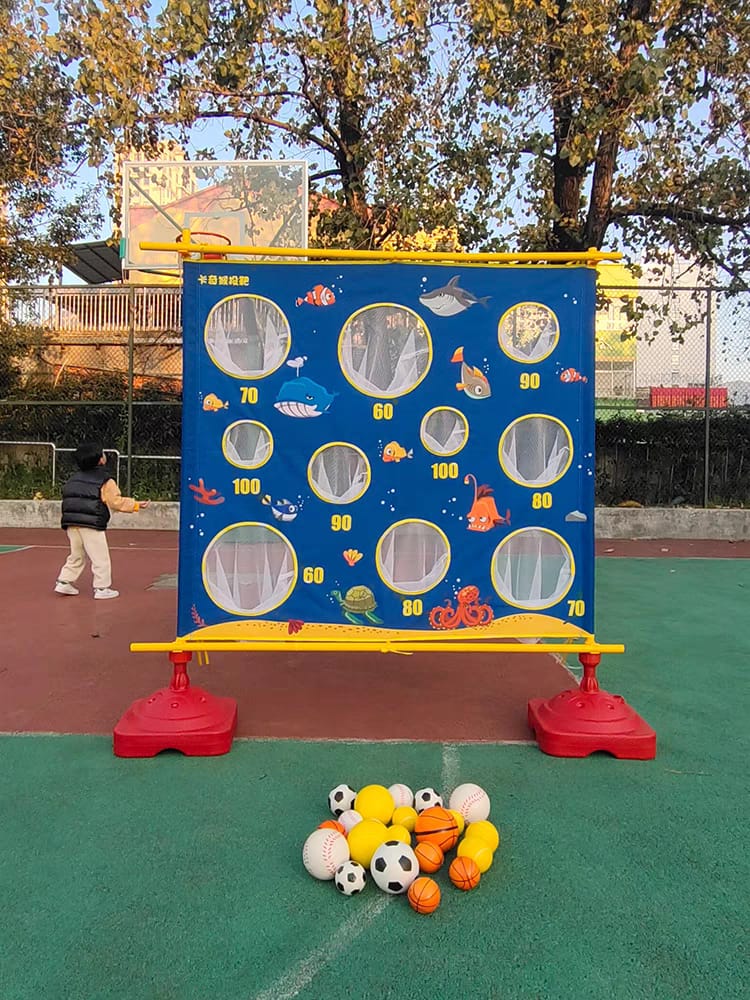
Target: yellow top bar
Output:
[(185, 249)]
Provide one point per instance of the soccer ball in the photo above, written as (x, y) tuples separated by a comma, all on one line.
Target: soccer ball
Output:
[(426, 798), (350, 878), (394, 867), (340, 799)]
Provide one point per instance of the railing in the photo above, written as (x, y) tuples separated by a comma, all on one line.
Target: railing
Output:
[(97, 310)]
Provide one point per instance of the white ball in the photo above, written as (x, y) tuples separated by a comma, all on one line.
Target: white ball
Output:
[(394, 867), (340, 799), (323, 852), (471, 801), (349, 819), (402, 795), (350, 878), (426, 798)]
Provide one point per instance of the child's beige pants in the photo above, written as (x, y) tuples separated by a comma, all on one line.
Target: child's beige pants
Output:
[(92, 543)]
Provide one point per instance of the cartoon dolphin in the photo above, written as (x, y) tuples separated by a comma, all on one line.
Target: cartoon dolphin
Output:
[(450, 299), (301, 397)]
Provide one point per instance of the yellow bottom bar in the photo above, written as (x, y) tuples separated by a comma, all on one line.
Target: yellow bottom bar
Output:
[(372, 646)]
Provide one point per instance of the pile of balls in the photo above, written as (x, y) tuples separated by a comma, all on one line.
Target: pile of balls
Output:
[(373, 831)]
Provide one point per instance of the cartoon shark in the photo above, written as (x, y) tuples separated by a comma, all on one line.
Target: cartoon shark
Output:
[(450, 299), (301, 397)]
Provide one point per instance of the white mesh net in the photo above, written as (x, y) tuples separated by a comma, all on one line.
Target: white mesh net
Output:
[(413, 557), (444, 432), (528, 331), (339, 473), (532, 569), (247, 336), (385, 350), (249, 570), (535, 451), (248, 444)]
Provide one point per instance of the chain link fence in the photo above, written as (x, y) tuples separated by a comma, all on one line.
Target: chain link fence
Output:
[(673, 397), (672, 391)]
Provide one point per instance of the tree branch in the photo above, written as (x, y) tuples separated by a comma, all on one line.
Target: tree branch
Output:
[(677, 214)]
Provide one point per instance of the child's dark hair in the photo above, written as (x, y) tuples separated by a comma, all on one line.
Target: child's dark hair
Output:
[(88, 454)]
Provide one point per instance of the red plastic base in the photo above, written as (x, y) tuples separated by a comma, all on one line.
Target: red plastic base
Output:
[(584, 720), (179, 717)]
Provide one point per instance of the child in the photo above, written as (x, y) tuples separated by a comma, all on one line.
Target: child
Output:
[(88, 497)]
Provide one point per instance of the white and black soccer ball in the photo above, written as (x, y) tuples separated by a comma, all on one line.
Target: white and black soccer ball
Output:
[(394, 867), (350, 878), (426, 798), (340, 799)]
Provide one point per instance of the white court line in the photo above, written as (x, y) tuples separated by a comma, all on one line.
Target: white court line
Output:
[(303, 973), (450, 771), (283, 739), (112, 548)]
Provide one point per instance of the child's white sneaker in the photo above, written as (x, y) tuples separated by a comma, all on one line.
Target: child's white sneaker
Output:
[(65, 588), (105, 593)]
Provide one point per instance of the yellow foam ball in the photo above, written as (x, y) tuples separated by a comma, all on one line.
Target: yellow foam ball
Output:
[(405, 816), (375, 802), (485, 831), (473, 847), (459, 819), (398, 832), (364, 839)]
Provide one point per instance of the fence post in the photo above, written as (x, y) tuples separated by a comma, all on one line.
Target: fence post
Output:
[(131, 364), (707, 401)]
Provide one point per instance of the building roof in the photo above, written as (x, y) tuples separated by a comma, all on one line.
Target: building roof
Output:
[(96, 262)]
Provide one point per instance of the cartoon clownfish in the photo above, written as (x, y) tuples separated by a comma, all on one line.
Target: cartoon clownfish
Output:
[(318, 296), (483, 515)]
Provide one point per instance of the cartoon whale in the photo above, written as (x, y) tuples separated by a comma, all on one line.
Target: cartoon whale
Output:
[(450, 299), (301, 397)]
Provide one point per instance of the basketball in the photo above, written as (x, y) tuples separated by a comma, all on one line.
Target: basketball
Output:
[(477, 850), (424, 895), (332, 824), (438, 826), (464, 873), (486, 831), (429, 856), (375, 802)]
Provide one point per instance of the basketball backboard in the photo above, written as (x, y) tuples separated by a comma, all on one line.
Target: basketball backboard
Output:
[(239, 202)]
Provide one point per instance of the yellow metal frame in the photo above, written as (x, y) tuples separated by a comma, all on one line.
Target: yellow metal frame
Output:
[(400, 642), (185, 248), (395, 645)]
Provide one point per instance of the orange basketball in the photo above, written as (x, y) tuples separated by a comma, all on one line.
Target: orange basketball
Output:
[(332, 824), (437, 826), (464, 873), (429, 856), (424, 895)]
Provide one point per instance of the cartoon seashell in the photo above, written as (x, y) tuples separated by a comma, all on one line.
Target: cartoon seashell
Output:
[(352, 556)]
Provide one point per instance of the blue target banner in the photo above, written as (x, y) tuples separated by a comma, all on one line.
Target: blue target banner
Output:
[(381, 448)]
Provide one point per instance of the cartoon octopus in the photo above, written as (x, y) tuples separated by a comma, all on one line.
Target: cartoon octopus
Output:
[(468, 611)]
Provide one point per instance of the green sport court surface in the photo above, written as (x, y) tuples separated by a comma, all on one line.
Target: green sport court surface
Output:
[(181, 879)]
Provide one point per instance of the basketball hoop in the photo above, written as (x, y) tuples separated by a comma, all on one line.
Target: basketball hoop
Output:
[(218, 236)]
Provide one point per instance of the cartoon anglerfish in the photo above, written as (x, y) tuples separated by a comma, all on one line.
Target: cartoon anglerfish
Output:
[(450, 299), (301, 397), (483, 515)]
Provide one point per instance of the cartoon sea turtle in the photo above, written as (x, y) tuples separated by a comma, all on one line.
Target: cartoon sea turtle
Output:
[(358, 601)]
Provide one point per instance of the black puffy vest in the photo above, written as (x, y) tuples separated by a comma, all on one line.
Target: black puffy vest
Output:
[(82, 505)]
